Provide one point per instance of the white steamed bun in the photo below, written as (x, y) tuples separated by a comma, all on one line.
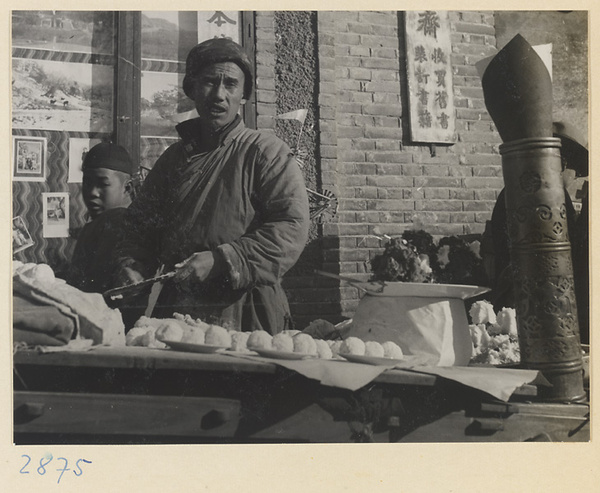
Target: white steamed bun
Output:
[(392, 350), (169, 331), (373, 348), (305, 344), (353, 345), (283, 342), (217, 336), (323, 349), (260, 339)]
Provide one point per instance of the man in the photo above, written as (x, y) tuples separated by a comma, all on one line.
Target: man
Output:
[(226, 207), (106, 190)]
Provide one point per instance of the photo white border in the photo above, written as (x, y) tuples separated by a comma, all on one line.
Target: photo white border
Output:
[(23, 228), (60, 230), (405, 468), (76, 147)]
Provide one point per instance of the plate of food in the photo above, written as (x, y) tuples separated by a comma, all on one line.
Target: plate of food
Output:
[(273, 353), (371, 360), (194, 348)]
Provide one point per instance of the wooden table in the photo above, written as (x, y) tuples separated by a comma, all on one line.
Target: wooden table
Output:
[(141, 395)]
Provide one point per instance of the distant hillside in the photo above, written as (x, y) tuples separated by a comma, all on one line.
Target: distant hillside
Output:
[(156, 23)]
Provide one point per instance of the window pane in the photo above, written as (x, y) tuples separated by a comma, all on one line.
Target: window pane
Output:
[(63, 30), (168, 35), (162, 101), (55, 95)]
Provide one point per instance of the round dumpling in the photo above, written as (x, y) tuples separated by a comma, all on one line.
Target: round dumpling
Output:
[(149, 340), (305, 344), (335, 348), (323, 349), (239, 341), (260, 339), (134, 336), (193, 335), (392, 350), (353, 345), (170, 331), (373, 348), (145, 321), (188, 320), (283, 342), (186, 325), (217, 336)]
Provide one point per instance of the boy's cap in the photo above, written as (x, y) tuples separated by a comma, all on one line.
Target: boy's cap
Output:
[(573, 147), (216, 50), (108, 156)]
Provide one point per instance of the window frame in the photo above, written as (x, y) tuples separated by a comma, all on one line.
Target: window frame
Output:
[(128, 74)]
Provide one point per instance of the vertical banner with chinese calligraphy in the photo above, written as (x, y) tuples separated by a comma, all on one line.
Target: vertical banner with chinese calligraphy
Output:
[(431, 97), (218, 24)]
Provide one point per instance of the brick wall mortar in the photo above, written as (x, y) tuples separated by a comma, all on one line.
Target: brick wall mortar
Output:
[(265, 70), (382, 178)]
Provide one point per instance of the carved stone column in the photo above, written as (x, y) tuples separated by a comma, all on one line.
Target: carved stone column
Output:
[(540, 254)]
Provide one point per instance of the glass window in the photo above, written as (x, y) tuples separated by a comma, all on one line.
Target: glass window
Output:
[(166, 39)]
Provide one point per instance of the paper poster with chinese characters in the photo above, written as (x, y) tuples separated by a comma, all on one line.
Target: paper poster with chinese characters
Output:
[(219, 24), (431, 97), (55, 214)]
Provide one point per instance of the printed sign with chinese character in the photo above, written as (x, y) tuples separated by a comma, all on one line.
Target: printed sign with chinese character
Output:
[(218, 24), (431, 97)]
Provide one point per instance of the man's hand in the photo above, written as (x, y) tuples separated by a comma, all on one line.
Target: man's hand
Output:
[(199, 267)]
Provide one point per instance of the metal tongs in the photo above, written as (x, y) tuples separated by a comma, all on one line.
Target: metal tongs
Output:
[(117, 293), (354, 282)]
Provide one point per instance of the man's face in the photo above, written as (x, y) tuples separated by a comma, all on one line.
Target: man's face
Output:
[(218, 93), (104, 189)]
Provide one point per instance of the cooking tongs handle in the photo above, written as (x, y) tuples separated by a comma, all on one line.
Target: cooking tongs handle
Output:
[(112, 293), (354, 282)]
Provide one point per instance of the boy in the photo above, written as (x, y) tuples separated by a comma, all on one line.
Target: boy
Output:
[(107, 192)]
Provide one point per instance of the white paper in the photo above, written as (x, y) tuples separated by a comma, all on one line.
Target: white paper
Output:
[(78, 148), (55, 215)]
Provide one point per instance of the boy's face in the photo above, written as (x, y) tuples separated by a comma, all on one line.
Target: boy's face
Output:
[(105, 189)]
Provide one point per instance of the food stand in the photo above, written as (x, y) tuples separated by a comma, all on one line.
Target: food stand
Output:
[(111, 393), (143, 395)]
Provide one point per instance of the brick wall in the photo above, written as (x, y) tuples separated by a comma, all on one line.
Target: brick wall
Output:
[(287, 79), (385, 183), (266, 97)]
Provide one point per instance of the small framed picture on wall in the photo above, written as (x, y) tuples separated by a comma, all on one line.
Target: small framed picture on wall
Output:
[(29, 158), (56, 214), (21, 239), (78, 149)]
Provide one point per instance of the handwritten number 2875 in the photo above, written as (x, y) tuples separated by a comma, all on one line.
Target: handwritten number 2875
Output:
[(45, 461)]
